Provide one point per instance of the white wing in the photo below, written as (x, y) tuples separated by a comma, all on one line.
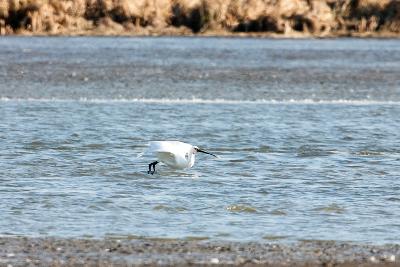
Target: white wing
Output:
[(174, 147), (167, 158), (173, 153)]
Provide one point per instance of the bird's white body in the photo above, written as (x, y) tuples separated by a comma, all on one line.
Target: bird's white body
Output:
[(175, 154)]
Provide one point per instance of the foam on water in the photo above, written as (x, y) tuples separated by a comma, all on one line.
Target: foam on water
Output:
[(209, 101)]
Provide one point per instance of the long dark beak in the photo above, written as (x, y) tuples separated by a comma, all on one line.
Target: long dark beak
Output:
[(205, 152)]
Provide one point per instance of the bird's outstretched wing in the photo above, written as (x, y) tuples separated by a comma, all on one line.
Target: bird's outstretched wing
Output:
[(174, 147), (172, 153), (167, 158)]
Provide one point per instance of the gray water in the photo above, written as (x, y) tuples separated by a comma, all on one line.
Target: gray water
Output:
[(307, 132)]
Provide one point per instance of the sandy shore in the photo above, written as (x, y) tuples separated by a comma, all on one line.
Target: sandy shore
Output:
[(21, 251)]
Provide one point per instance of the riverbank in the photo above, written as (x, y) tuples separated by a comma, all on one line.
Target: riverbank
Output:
[(280, 18), (20, 251)]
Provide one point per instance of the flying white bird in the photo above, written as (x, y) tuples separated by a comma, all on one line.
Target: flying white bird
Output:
[(175, 154)]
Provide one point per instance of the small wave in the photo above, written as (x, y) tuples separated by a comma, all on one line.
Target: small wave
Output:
[(369, 153), (241, 208), (94, 146), (260, 149), (311, 151), (196, 238), (333, 209), (206, 101), (393, 199), (169, 209), (35, 145), (119, 237), (274, 237), (278, 212)]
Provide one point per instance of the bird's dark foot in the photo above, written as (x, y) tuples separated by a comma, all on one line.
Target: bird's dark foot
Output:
[(154, 167)]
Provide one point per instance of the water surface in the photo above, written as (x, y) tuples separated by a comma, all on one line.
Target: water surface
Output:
[(306, 130)]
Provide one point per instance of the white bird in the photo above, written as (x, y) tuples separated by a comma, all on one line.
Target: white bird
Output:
[(175, 154)]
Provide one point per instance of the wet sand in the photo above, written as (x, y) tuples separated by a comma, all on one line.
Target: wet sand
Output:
[(23, 251)]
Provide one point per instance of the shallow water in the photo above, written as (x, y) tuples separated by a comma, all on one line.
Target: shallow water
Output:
[(308, 157)]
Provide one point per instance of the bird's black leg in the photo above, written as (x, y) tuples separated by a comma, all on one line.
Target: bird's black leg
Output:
[(154, 167)]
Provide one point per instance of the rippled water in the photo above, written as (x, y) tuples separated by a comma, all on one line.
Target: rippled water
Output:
[(308, 157)]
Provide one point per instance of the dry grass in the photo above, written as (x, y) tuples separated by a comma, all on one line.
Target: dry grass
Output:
[(125, 17)]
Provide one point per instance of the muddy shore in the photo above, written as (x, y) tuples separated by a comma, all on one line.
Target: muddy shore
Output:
[(272, 18), (22, 251)]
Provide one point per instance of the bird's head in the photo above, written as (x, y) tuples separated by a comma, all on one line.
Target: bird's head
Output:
[(197, 149)]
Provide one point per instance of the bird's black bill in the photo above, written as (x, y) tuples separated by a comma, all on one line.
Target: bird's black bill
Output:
[(205, 152)]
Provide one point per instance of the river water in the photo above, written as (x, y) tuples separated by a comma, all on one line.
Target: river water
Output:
[(307, 132)]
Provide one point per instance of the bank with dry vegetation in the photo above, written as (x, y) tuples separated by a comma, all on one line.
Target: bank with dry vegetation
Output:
[(288, 18)]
